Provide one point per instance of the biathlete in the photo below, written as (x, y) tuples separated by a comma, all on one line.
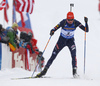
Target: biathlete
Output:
[(68, 27)]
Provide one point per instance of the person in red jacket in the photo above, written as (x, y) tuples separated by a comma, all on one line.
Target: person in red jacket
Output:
[(99, 6), (35, 49), (40, 58)]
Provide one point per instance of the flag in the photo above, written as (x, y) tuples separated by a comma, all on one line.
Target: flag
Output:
[(2, 4), (12, 48), (25, 21), (5, 11), (23, 18), (24, 6), (14, 12)]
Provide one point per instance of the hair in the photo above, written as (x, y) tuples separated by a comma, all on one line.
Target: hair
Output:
[(14, 25)]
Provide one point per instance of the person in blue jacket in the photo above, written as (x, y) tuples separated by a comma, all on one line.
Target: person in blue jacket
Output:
[(68, 27), (3, 35)]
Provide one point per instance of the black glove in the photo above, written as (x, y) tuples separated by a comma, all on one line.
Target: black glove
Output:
[(51, 32), (40, 54), (86, 19)]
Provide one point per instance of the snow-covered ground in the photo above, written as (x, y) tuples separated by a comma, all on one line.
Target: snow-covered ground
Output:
[(48, 13), (6, 76)]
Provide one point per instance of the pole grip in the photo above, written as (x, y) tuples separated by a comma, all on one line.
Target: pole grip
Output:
[(71, 5)]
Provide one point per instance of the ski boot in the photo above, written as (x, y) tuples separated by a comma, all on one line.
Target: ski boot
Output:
[(75, 75), (41, 73)]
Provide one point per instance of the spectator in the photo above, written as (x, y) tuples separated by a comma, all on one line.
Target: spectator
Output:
[(12, 34), (25, 41), (3, 35)]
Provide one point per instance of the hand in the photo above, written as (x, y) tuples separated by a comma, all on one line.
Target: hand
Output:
[(22, 44), (40, 54), (85, 19), (51, 32)]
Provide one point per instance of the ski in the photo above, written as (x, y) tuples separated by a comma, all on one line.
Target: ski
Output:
[(23, 78), (49, 77), (28, 78)]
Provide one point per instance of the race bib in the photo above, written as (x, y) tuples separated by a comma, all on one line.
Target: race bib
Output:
[(67, 34)]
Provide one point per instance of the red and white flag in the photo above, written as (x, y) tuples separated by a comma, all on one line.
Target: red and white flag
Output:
[(24, 5), (5, 11), (23, 18), (2, 4)]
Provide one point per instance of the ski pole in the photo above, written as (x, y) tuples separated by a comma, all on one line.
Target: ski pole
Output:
[(41, 56), (84, 48)]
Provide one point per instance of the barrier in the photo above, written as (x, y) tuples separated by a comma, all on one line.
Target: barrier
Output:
[(21, 60)]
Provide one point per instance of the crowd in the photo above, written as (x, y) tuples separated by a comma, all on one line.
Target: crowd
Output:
[(25, 40)]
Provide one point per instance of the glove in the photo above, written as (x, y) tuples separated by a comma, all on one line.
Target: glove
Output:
[(85, 19), (40, 54), (51, 32)]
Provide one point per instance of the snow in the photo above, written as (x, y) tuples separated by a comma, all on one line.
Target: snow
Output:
[(6, 76), (46, 14)]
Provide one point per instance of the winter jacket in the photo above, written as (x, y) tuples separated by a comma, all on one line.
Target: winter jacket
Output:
[(67, 30), (12, 36), (3, 36)]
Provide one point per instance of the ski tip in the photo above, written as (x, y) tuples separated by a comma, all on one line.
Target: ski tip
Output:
[(22, 78)]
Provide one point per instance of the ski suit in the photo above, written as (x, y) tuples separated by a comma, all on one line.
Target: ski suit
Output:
[(66, 39)]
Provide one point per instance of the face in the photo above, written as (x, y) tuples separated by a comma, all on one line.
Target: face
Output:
[(70, 21), (15, 28), (2, 29)]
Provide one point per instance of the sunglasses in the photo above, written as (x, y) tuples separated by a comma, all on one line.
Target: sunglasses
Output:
[(70, 19)]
